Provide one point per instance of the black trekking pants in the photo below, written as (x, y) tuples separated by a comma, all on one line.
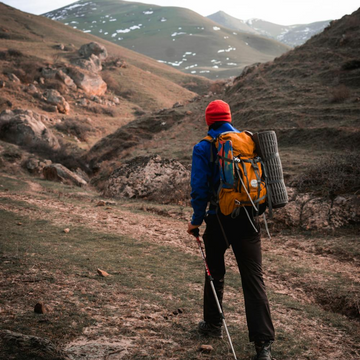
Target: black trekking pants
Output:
[(246, 245)]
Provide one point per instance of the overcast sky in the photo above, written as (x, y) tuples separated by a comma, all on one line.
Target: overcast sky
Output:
[(283, 12)]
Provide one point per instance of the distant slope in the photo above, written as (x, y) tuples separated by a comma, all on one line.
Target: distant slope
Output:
[(292, 35), (178, 37)]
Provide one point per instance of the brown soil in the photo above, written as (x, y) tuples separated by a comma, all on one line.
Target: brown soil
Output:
[(168, 227)]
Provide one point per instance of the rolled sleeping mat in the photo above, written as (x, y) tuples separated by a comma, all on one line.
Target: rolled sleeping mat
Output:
[(267, 149)]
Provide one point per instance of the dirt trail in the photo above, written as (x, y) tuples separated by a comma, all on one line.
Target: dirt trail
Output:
[(67, 211)]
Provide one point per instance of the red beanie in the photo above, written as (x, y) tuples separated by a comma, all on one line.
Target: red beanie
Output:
[(217, 110)]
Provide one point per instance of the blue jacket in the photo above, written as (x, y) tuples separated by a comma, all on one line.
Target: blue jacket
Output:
[(205, 175)]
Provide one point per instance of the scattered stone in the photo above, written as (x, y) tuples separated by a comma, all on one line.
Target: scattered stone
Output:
[(48, 73), (50, 108), (13, 78), (67, 80), (116, 100), (102, 273), (53, 97), (32, 89), (96, 99), (19, 223), (67, 230), (206, 349), (95, 48), (42, 81), (60, 46), (58, 172), (101, 203), (177, 105), (83, 102), (2, 84), (40, 308)]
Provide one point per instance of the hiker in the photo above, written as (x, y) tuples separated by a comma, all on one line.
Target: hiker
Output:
[(225, 230)]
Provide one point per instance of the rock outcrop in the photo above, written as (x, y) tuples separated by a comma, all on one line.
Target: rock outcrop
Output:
[(53, 97), (20, 346), (93, 63), (58, 172), (308, 212), (95, 48), (152, 178), (24, 127), (91, 83)]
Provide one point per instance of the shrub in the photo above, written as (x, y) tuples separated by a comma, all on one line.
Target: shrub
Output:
[(74, 128), (331, 176), (15, 53), (65, 155)]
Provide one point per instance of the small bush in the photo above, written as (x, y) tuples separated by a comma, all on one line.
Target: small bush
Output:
[(15, 53), (65, 155), (340, 94), (331, 176), (74, 128), (351, 65), (112, 84), (98, 109)]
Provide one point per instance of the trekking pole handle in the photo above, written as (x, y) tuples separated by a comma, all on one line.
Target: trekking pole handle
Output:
[(196, 232)]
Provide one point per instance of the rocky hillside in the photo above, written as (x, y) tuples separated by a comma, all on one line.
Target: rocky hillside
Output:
[(312, 102), (84, 86), (175, 36)]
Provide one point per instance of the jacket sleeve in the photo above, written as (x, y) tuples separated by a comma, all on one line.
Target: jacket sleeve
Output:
[(200, 181)]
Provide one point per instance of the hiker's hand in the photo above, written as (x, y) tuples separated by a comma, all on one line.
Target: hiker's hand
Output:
[(191, 228)]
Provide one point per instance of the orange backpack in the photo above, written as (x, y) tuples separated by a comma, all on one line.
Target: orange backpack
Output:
[(242, 182)]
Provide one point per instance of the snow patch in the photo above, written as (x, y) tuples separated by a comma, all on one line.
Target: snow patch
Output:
[(216, 28), (178, 33), (148, 12)]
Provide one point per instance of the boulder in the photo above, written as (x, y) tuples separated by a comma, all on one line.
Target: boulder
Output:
[(67, 80), (95, 48), (151, 178), (53, 97), (58, 172), (92, 64), (22, 127), (91, 83)]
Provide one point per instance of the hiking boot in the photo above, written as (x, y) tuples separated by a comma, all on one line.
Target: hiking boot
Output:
[(211, 330), (263, 350)]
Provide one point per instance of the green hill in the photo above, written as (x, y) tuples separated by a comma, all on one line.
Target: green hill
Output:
[(175, 36)]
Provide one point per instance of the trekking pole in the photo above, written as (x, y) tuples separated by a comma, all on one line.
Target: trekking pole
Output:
[(196, 233)]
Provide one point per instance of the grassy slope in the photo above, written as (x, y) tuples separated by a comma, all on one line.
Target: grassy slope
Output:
[(155, 37), (155, 269)]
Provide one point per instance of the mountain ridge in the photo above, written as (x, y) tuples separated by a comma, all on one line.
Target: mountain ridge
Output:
[(292, 35)]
